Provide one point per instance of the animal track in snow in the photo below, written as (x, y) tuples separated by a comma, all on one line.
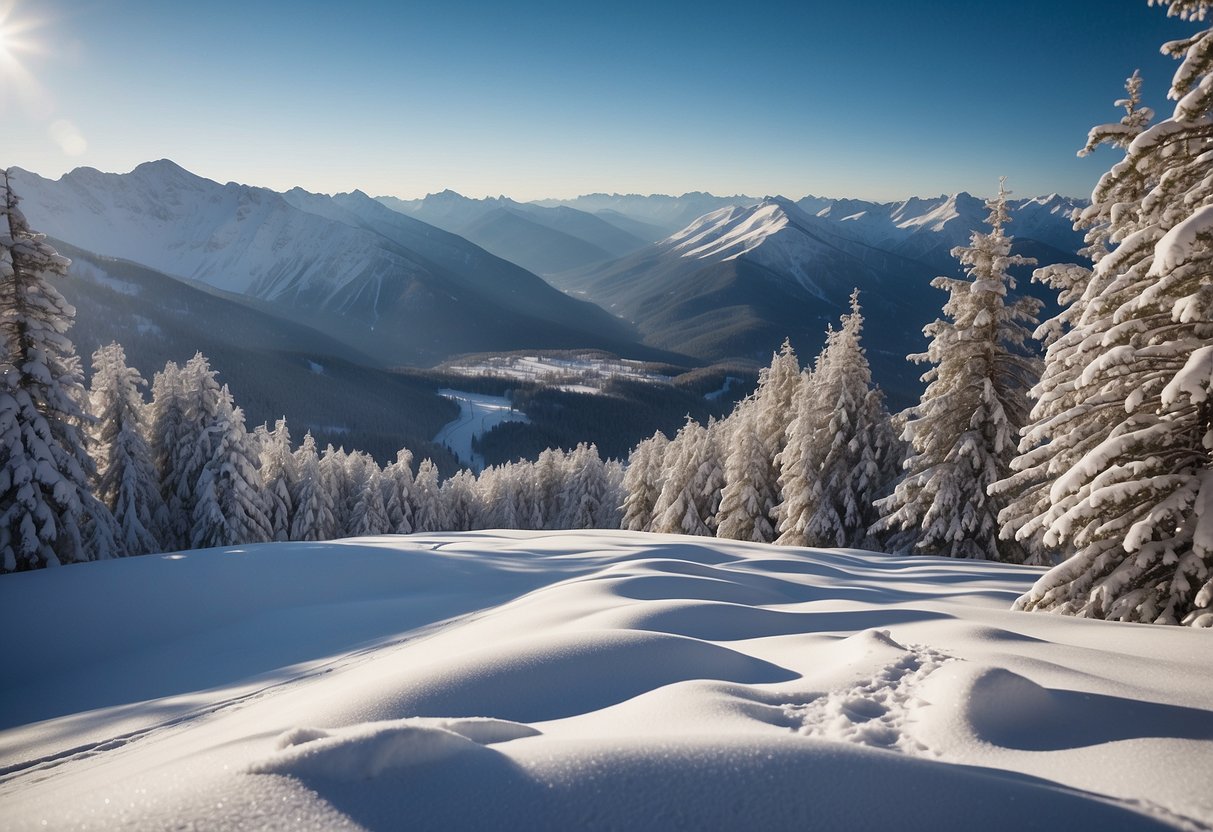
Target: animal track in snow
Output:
[(876, 712)]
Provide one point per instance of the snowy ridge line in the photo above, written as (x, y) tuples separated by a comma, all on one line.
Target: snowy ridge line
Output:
[(15, 772)]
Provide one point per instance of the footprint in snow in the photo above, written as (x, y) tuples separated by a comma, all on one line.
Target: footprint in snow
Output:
[(876, 712)]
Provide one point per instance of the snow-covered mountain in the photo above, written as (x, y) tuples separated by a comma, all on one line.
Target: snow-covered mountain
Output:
[(928, 229), (542, 239), (586, 680), (738, 280), (393, 287), (651, 213)]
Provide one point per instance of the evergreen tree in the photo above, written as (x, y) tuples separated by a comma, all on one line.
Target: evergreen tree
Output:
[(429, 511), (587, 491), (748, 500), (642, 482), (1135, 507), (167, 432), (229, 508), (194, 445), (278, 478), (460, 502), (126, 480), (800, 466), (964, 430), (48, 513), (397, 492), (335, 474), (690, 495), (774, 403), (368, 514), (850, 433), (312, 518)]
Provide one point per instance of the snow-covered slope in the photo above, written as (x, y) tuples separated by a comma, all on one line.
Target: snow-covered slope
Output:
[(393, 287), (599, 680), (739, 280), (928, 228), (540, 238)]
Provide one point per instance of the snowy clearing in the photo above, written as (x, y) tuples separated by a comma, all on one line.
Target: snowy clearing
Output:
[(586, 374), (559, 680), (478, 414)]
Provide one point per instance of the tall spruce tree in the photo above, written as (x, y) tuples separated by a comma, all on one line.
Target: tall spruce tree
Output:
[(963, 432), (642, 482), (1064, 407), (852, 446), (1136, 508), (312, 516), (229, 507), (278, 477), (48, 513), (126, 476), (748, 500)]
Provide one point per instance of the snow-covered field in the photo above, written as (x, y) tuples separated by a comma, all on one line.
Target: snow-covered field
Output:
[(577, 375), (478, 414), (530, 680)]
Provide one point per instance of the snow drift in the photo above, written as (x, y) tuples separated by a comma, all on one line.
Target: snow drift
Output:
[(586, 680)]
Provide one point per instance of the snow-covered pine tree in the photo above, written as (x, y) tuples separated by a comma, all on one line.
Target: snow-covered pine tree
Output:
[(312, 517), (964, 430), (459, 497), (166, 431), (587, 489), (799, 465), (368, 515), (642, 482), (853, 440), (397, 492), (429, 510), (690, 493), (774, 403), (748, 500), (335, 474), (550, 472), (1137, 507), (1063, 407), (195, 440), (48, 513), (612, 507), (278, 477), (229, 507), (126, 476)]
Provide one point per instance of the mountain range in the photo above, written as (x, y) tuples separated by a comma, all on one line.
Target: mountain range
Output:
[(384, 282), (398, 290)]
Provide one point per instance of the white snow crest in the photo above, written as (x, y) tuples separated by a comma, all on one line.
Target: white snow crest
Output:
[(362, 752)]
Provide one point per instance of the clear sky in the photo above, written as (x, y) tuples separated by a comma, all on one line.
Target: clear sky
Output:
[(880, 99)]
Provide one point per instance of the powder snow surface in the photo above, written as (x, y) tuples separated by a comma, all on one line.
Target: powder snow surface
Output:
[(591, 680)]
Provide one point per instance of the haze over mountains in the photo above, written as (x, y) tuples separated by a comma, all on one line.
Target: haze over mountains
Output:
[(385, 282), (396, 289)]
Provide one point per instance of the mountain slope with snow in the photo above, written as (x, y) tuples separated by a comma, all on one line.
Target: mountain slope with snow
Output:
[(388, 285), (540, 238), (737, 281), (593, 680)]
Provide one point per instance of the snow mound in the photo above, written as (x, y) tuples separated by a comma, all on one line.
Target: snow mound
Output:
[(362, 752), (588, 680)]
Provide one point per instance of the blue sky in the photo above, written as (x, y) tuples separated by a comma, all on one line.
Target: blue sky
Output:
[(879, 100)]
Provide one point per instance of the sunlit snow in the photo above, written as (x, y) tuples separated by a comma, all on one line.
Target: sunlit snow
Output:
[(560, 680)]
